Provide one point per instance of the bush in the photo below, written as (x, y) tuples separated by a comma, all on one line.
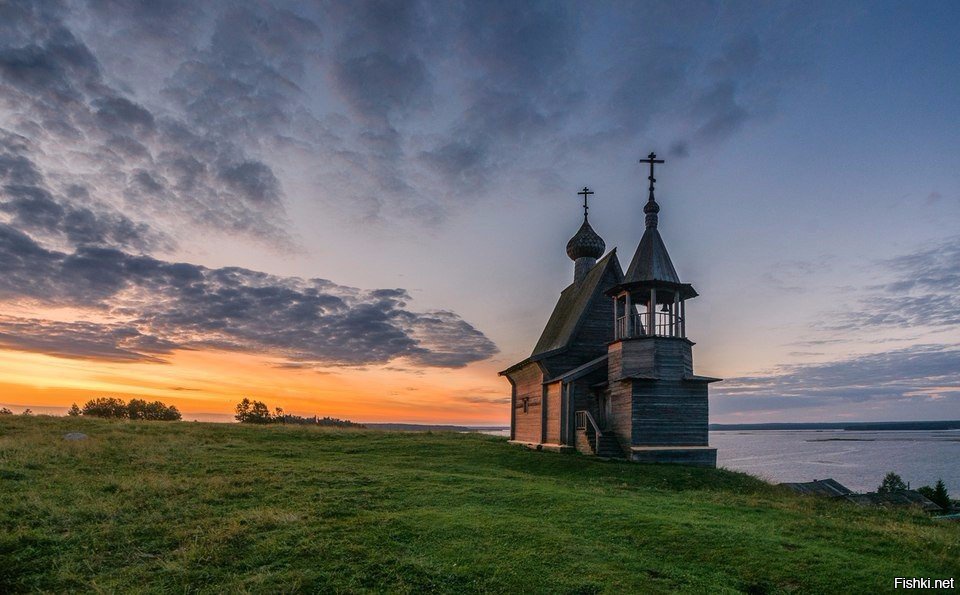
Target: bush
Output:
[(5, 411), (106, 407), (155, 411), (74, 411), (113, 408)]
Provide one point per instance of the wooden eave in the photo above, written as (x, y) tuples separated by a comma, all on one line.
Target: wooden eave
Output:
[(581, 371), (701, 379), (685, 289), (635, 377), (531, 359)]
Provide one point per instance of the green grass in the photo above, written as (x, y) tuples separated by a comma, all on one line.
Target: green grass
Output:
[(155, 506)]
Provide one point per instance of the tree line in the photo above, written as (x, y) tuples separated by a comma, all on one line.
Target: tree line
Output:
[(114, 408), (256, 412)]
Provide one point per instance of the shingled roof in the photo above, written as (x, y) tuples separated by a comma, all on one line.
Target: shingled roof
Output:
[(573, 304), (651, 261), (830, 488)]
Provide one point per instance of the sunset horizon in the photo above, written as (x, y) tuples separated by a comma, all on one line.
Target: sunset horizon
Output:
[(328, 211)]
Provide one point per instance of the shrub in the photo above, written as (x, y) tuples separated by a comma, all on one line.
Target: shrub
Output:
[(106, 407), (155, 411), (113, 408), (74, 411), (5, 411)]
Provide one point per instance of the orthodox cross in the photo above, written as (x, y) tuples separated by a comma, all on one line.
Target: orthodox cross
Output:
[(651, 159), (585, 193)]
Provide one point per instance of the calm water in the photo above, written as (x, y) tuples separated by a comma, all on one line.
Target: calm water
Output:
[(858, 460)]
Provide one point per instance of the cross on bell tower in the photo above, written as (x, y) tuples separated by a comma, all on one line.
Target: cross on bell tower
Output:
[(651, 208)]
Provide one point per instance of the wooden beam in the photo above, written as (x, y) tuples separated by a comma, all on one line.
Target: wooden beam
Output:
[(683, 318), (652, 312), (628, 323)]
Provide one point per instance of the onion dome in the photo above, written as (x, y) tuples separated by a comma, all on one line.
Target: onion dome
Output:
[(586, 243), (651, 210)]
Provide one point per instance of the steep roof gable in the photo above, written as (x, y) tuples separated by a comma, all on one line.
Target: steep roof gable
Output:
[(651, 261), (574, 303)]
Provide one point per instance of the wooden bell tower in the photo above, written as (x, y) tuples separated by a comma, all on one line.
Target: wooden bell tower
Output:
[(658, 406)]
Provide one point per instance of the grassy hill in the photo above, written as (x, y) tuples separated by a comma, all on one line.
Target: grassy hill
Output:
[(158, 506)]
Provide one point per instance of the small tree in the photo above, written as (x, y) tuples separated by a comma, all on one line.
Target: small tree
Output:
[(278, 415), (937, 494), (252, 412), (891, 483), (5, 411), (74, 411), (941, 496), (27, 412)]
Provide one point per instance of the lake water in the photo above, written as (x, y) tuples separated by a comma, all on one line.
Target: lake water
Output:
[(858, 460)]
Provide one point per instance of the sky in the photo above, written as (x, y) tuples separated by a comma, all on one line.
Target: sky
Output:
[(360, 209)]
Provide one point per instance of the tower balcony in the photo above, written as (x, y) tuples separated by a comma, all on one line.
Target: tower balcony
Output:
[(664, 324)]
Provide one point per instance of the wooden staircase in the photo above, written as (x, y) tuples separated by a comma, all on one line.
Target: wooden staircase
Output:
[(601, 443)]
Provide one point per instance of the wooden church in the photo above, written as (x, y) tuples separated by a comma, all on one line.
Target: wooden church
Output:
[(612, 374)]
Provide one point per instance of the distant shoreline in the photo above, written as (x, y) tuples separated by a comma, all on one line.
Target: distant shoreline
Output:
[(871, 426)]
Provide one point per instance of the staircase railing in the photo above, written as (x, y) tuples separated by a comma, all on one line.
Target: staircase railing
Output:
[(586, 422)]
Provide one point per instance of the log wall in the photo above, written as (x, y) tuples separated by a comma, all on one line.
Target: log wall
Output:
[(528, 382)]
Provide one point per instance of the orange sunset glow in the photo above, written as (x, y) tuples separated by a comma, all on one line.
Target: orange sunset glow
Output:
[(207, 385)]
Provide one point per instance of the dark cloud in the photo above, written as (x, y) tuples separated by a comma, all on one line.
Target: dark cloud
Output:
[(156, 307), (57, 94), (444, 100), (921, 372), (924, 293), (32, 206), (252, 180), (120, 113), (82, 340)]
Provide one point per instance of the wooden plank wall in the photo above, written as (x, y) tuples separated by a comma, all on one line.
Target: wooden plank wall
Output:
[(669, 413), (529, 383), (661, 357), (661, 412), (552, 433)]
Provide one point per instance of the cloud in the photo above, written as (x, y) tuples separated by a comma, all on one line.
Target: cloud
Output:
[(85, 130), (410, 108), (82, 340), (31, 204), (924, 293), (913, 374), (154, 307)]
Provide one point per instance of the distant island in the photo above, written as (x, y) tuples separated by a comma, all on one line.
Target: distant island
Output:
[(861, 426)]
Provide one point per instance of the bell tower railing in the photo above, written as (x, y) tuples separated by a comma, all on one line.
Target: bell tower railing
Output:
[(665, 324)]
